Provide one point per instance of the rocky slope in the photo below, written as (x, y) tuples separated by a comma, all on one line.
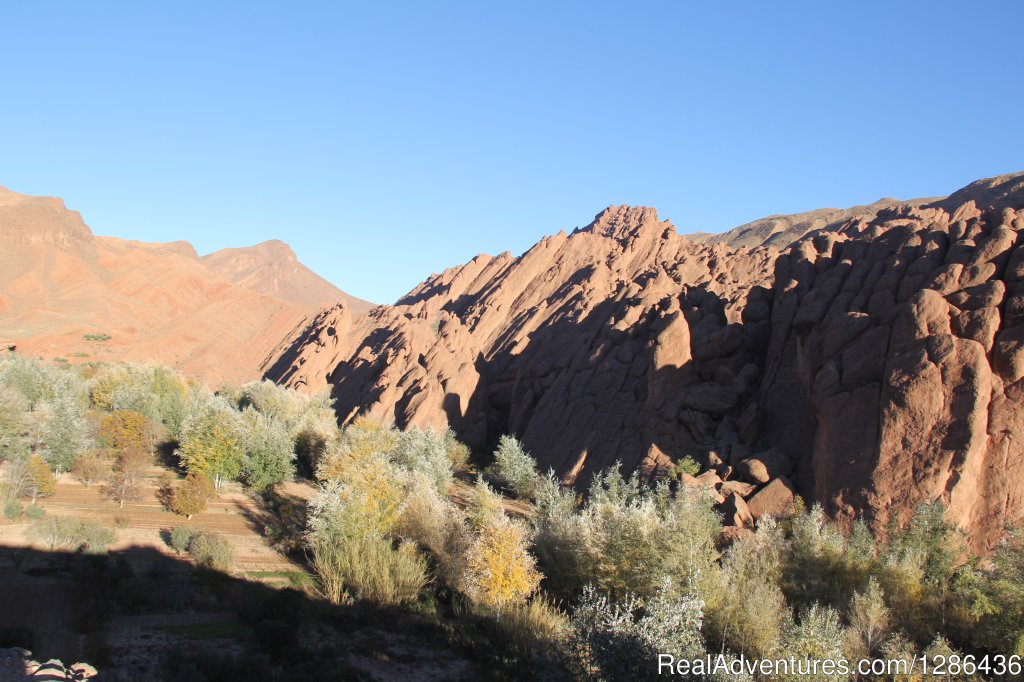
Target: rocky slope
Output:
[(215, 317), (876, 362)]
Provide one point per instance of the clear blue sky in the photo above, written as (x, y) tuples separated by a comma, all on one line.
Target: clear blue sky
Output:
[(386, 141)]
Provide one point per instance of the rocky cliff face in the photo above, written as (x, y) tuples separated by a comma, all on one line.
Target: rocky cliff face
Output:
[(875, 362)]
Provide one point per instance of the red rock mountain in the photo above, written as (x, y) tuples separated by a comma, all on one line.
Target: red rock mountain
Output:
[(869, 359), (215, 317), (272, 268)]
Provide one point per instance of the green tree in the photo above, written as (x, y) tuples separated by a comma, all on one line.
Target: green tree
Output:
[(64, 431), (269, 451), (514, 467), (211, 443), (15, 425)]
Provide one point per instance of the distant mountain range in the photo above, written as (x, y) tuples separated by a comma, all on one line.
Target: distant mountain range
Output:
[(64, 291)]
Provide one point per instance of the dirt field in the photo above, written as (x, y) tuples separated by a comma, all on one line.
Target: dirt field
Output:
[(232, 514)]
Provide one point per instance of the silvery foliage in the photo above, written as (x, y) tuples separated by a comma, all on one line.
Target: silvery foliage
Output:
[(622, 639), (424, 451)]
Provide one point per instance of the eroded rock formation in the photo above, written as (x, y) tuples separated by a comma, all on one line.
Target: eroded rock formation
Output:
[(875, 362)]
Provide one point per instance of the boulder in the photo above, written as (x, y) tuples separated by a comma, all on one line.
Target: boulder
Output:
[(741, 488), (765, 466), (735, 512), (775, 499)]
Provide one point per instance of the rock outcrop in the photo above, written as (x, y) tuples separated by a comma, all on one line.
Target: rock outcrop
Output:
[(875, 362)]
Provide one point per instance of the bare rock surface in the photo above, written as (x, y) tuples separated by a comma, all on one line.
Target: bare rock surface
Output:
[(881, 350)]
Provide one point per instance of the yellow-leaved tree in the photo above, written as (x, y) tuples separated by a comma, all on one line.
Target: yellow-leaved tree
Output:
[(500, 571), (211, 443)]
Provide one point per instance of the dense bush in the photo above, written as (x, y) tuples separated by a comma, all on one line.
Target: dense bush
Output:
[(180, 537), (211, 550), (628, 538), (621, 640), (514, 468), (604, 578)]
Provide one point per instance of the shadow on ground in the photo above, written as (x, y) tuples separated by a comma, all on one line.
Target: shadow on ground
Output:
[(141, 615)]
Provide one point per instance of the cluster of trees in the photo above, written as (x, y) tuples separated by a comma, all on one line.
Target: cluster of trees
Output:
[(103, 423)]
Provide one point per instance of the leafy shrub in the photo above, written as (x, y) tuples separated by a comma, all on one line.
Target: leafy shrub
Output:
[(499, 570), (93, 537), (622, 639), (916, 570), (13, 510), (627, 539), (537, 629), (458, 453), (424, 515), (363, 439), (34, 512), (424, 452), (514, 467), (745, 606), (180, 538), (820, 566), (686, 465), (869, 619), (818, 637), (211, 550), (375, 571)]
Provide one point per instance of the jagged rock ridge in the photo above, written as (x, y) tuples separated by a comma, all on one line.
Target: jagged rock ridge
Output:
[(882, 356)]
